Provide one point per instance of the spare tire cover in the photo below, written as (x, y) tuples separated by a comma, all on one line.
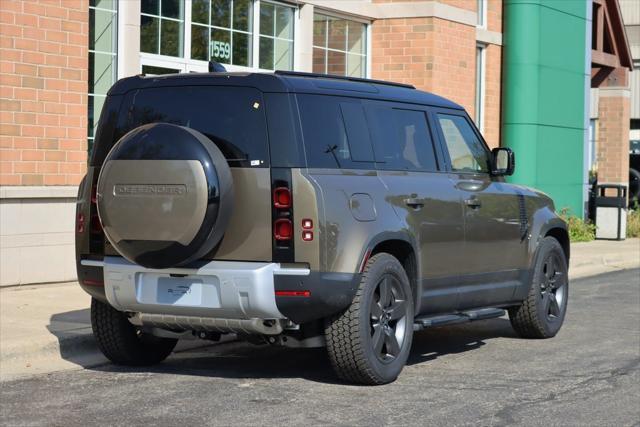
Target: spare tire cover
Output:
[(164, 195)]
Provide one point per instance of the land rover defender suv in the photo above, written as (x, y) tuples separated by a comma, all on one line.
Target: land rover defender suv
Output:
[(305, 210)]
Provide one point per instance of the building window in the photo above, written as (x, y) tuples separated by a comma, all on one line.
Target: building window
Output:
[(276, 37), (221, 31), (482, 13), (339, 46), (162, 27), (479, 96), (103, 33)]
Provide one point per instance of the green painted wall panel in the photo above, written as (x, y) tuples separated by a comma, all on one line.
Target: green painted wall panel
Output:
[(544, 103), (560, 98)]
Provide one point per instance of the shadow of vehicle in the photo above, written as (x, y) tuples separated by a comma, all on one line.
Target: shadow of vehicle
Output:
[(241, 360), (75, 340)]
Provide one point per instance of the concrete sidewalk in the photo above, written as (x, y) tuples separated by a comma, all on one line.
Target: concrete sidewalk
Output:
[(46, 328)]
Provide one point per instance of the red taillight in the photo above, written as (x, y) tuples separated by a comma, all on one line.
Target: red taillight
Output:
[(293, 293), (80, 223), (282, 198), (282, 229), (91, 282), (307, 224), (307, 236)]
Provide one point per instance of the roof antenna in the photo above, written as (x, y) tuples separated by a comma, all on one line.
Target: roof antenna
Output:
[(215, 67)]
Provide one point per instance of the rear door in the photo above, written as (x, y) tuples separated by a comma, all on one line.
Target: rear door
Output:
[(495, 255), (422, 195)]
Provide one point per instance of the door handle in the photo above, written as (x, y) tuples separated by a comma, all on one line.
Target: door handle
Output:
[(414, 203), (473, 202)]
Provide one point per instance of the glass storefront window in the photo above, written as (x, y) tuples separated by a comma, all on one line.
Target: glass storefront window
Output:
[(276, 37), (162, 27), (339, 46), (103, 28), (221, 31)]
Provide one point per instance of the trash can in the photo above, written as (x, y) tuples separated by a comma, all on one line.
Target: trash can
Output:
[(611, 212)]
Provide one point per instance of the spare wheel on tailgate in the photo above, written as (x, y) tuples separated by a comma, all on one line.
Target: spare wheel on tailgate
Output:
[(164, 195)]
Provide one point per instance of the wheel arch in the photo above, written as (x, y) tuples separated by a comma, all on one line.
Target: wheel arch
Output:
[(404, 250), (562, 236)]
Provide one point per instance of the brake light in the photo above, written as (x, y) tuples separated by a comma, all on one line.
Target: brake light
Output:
[(80, 223), (282, 198), (282, 229)]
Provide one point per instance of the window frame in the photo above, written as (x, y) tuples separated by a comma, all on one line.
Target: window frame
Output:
[(367, 40), (160, 19), (186, 64), (441, 160), (115, 55), (433, 117), (481, 21), (480, 90)]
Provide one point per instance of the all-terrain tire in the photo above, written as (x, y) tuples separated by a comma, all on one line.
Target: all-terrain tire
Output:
[(121, 342), (349, 334), (533, 318)]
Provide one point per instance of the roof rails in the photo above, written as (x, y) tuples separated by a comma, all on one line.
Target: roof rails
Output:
[(331, 76)]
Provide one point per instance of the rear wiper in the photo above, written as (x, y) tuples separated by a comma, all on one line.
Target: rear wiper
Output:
[(332, 149)]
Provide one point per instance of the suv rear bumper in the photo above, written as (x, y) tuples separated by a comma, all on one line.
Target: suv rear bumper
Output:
[(224, 295)]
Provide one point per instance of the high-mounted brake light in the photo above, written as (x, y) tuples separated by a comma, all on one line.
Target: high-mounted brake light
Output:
[(283, 229), (282, 198)]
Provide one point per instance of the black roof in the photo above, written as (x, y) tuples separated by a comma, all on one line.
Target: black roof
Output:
[(291, 82)]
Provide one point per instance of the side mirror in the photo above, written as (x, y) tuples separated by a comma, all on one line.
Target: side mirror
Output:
[(504, 161)]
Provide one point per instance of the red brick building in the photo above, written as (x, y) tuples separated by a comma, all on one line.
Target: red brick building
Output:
[(59, 57)]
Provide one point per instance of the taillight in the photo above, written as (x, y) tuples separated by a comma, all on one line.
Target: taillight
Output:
[(282, 215), (283, 229), (282, 198), (80, 223)]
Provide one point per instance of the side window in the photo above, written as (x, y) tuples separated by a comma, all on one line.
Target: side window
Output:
[(402, 140), (466, 151), (335, 132)]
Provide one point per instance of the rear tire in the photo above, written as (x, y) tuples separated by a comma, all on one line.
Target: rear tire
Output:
[(370, 342), (541, 315), (121, 342)]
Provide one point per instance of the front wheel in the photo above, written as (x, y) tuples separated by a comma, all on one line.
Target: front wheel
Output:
[(123, 343), (541, 315), (369, 343)]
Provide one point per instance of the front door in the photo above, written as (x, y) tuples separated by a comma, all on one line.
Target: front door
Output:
[(495, 230), (423, 196)]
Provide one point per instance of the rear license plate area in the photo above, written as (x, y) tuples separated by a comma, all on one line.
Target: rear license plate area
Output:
[(188, 291)]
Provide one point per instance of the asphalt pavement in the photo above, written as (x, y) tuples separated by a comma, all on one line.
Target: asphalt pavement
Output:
[(474, 374)]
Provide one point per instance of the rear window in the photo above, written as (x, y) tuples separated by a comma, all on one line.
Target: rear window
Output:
[(232, 117), (335, 132)]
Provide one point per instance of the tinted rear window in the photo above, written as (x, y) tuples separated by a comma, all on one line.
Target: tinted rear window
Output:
[(335, 132), (232, 117)]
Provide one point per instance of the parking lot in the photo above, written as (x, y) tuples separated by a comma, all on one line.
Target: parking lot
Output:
[(477, 374)]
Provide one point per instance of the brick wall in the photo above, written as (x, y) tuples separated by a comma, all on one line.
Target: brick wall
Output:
[(439, 56), (613, 137), (43, 91)]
